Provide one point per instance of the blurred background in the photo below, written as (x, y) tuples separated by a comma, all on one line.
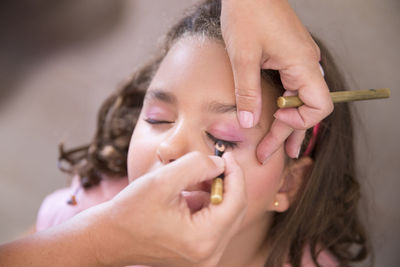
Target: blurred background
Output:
[(60, 59)]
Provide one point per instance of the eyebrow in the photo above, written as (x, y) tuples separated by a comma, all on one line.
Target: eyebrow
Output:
[(217, 107), (213, 107), (161, 96)]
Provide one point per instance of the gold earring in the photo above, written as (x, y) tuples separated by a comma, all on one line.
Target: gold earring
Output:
[(276, 203)]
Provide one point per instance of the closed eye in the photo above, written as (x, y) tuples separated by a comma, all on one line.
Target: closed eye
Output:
[(153, 121), (227, 144)]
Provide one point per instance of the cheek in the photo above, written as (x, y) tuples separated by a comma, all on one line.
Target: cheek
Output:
[(141, 154), (262, 181)]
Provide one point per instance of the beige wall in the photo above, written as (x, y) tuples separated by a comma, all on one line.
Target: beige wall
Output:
[(58, 90)]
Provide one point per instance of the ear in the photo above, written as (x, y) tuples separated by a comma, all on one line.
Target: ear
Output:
[(292, 179)]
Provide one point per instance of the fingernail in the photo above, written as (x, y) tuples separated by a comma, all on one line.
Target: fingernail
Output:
[(298, 153), (266, 159), (322, 70), (246, 119)]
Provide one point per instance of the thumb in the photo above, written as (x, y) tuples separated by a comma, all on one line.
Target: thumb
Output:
[(246, 73), (232, 210)]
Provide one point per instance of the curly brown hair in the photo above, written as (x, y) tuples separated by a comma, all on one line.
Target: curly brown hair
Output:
[(324, 215)]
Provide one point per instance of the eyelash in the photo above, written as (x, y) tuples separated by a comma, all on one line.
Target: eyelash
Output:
[(228, 144), (152, 121)]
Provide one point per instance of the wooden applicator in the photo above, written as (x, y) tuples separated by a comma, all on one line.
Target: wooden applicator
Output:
[(217, 186), (337, 97)]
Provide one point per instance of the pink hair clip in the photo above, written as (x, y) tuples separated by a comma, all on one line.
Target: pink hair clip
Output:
[(311, 143)]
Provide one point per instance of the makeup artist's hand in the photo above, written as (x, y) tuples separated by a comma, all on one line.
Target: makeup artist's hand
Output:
[(153, 225), (267, 34), (148, 223)]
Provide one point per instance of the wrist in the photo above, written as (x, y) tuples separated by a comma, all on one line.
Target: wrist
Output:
[(102, 237), (111, 242)]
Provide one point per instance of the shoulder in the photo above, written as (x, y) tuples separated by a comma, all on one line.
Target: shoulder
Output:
[(55, 210), (325, 259)]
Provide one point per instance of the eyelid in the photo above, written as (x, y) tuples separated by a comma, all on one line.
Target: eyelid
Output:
[(228, 144), (228, 131), (157, 114), (154, 121)]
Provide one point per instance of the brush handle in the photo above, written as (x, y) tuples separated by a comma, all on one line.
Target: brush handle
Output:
[(217, 190), (337, 97), (217, 186)]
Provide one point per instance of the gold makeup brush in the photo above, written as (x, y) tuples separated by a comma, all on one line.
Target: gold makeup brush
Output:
[(337, 97), (217, 186)]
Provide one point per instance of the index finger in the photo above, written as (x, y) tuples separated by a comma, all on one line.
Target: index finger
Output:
[(190, 169), (233, 207), (246, 73)]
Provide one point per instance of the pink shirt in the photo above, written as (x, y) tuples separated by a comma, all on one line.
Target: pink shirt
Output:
[(55, 210), (324, 259)]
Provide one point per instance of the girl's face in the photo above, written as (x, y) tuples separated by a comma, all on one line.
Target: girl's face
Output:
[(190, 104)]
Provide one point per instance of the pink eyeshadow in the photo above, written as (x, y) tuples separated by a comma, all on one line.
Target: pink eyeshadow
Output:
[(155, 111), (227, 132)]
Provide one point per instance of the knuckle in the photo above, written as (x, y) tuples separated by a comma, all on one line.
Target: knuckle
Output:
[(161, 181), (205, 250), (308, 124), (246, 98), (329, 108), (199, 251), (156, 177), (244, 56), (249, 93), (201, 160), (317, 51), (314, 51), (275, 139), (325, 111), (196, 155), (311, 51), (311, 121)]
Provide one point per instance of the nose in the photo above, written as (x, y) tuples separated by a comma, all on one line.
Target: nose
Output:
[(176, 144)]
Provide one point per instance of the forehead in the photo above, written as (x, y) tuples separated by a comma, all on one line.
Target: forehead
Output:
[(196, 64), (198, 68)]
